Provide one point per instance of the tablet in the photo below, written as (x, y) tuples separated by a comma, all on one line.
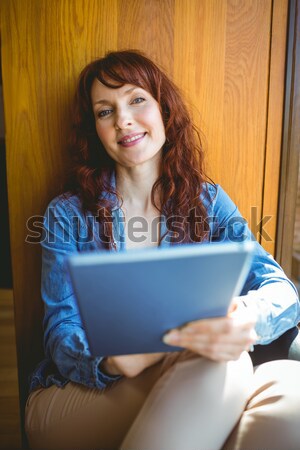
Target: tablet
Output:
[(129, 300)]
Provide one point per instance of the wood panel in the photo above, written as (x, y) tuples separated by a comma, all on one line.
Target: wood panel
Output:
[(10, 435), (274, 124), (199, 67), (148, 26), (227, 80), (291, 143), (218, 53)]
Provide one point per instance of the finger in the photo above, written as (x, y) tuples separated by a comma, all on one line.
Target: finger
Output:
[(233, 305), (215, 346), (206, 326), (211, 346), (217, 353), (238, 336), (224, 325), (225, 357)]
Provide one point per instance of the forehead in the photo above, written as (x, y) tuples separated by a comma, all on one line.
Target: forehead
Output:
[(101, 93)]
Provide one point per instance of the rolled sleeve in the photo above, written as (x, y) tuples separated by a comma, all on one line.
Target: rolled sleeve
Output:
[(267, 290), (65, 339), (276, 307)]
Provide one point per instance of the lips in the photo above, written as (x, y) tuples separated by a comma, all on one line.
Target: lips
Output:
[(131, 139)]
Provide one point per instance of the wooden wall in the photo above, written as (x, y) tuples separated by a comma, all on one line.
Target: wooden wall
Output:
[(228, 57)]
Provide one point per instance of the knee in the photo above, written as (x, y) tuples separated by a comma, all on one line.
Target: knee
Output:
[(275, 404), (229, 381), (280, 377)]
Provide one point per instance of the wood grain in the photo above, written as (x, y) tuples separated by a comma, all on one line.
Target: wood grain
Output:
[(245, 102), (274, 123), (226, 77), (290, 144), (199, 68), (10, 435), (148, 26)]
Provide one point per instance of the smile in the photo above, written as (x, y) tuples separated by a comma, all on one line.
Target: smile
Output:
[(131, 139)]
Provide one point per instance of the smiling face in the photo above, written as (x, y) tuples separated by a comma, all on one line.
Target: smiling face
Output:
[(129, 123)]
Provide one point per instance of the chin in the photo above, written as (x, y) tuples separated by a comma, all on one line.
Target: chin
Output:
[(137, 161)]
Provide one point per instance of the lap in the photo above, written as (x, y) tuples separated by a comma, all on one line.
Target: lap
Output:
[(194, 405), (79, 417), (84, 418), (76, 416)]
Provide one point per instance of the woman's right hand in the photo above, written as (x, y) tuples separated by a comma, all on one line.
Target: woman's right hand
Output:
[(129, 365)]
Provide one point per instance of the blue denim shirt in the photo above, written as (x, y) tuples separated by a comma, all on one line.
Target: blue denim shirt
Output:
[(267, 289)]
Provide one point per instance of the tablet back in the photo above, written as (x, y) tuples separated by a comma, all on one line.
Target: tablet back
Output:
[(129, 300)]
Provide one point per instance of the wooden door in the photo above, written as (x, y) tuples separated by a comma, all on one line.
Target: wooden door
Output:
[(227, 56)]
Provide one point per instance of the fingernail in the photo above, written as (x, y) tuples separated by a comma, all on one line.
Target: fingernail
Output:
[(171, 337), (189, 330)]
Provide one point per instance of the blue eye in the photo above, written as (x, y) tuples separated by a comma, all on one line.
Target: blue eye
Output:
[(138, 100), (104, 113)]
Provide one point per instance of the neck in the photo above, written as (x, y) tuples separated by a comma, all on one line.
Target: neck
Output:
[(135, 184)]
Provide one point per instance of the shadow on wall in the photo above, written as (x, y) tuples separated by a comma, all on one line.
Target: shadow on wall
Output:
[(5, 272)]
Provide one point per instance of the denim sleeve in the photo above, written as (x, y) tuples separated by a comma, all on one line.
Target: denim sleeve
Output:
[(64, 337), (267, 290)]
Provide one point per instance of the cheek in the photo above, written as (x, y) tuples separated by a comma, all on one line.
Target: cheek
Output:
[(103, 134), (154, 120), (160, 128)]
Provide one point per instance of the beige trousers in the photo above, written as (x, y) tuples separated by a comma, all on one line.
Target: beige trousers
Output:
[(182, 403)]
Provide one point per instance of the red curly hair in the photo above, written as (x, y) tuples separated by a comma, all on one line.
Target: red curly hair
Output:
[(182, 179)]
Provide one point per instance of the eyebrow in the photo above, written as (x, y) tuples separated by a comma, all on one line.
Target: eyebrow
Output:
[(128, 91)]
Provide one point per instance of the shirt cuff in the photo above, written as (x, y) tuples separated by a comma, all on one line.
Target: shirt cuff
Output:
[(258, 307), (275, 308), (104, 378)]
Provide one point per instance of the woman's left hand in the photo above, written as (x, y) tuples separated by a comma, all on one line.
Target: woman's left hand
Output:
[(219, 339)]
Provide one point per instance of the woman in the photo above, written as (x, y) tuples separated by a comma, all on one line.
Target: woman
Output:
[(137, 154)]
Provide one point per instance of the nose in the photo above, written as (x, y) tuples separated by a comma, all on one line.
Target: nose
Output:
[(123, 119)]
